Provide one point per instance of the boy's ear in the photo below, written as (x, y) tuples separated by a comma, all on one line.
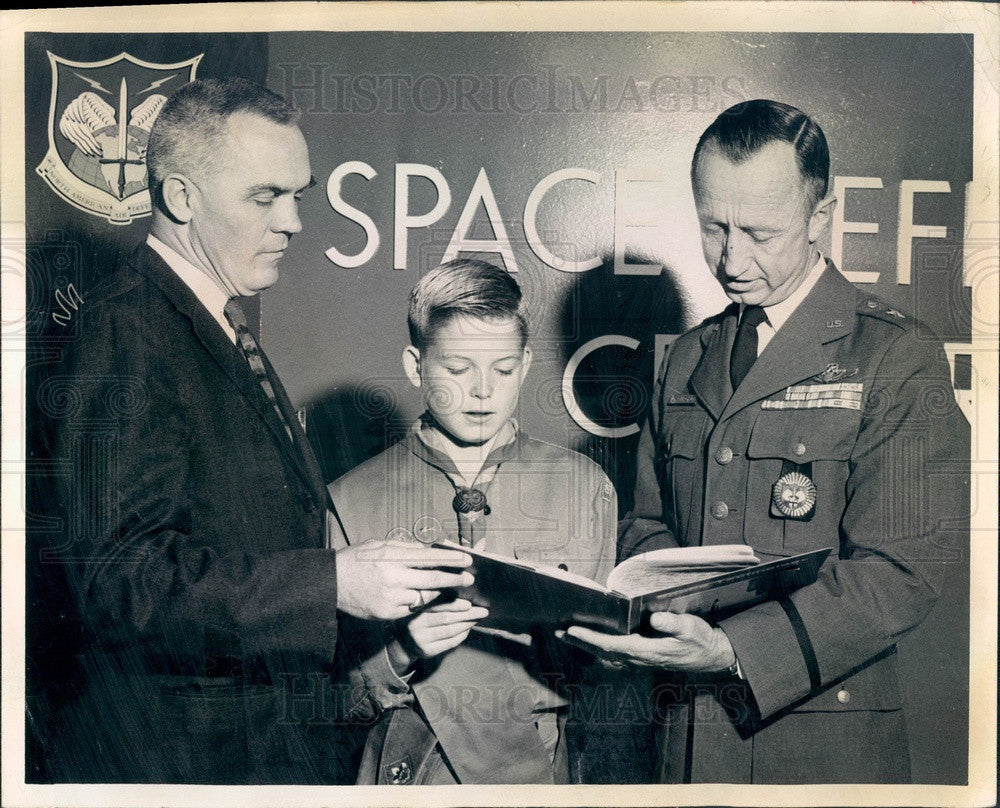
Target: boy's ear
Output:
[(525, 363), (411, 364)]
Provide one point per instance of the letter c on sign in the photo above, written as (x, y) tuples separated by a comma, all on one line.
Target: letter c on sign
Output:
[(531, 220), (569, 397)]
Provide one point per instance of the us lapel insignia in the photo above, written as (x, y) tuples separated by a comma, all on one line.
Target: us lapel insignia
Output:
[(794, 495)]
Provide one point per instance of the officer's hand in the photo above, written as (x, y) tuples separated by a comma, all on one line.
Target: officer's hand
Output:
[(689, 644), (389, 580), (442, 626)]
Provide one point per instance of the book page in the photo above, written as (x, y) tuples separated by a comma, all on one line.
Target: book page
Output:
[(672, 566)]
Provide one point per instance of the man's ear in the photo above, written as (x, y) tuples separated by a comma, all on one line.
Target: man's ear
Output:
[(178, 194), (411, 364), (821, 216)]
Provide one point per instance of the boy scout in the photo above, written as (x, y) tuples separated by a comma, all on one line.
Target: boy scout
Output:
[(460, 705), (808, 414)]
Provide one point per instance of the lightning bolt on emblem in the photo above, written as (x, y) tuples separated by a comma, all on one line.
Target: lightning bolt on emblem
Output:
[(156, 84), (95, 84)]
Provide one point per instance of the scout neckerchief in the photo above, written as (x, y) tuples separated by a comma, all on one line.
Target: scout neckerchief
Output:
[(470, 502)]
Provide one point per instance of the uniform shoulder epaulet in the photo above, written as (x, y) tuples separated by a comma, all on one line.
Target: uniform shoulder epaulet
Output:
[(873, 306)]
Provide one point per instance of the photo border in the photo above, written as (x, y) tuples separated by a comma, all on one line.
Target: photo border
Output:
[(981, 21)]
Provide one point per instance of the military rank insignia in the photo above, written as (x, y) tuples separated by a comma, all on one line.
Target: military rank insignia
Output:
[(793, 496)]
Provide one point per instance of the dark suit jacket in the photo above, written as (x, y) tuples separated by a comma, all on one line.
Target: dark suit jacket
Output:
[(856, 396), (195, 551)]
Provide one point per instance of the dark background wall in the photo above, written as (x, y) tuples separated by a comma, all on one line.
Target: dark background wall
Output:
[(521, 106), (627, 107)]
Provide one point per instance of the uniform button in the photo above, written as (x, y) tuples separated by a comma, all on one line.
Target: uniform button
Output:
[(720, 510), (800, 449), (843, 697), (724, 455), (399, 534)]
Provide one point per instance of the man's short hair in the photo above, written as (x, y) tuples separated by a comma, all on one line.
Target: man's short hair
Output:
[(186, 134), (745, 128), (463, 287)]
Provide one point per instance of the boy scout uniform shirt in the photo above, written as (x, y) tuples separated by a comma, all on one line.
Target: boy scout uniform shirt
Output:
[(483, 698), (845, 433)]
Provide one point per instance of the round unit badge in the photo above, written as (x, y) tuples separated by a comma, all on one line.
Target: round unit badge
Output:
[(794, 495)]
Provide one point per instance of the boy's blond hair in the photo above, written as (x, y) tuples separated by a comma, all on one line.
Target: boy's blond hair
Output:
[(463, 287)]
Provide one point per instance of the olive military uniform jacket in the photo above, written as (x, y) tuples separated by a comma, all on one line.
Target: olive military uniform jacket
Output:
[(845, 434), (481, 699)]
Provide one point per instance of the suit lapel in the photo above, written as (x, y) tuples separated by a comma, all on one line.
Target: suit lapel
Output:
[(710, 379), (796, 351), (228, 357)]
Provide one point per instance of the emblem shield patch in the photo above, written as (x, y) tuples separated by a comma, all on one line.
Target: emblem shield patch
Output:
[(100, 115)]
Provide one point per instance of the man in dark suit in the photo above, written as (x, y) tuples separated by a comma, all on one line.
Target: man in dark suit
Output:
[(808, 414), (199, 525)]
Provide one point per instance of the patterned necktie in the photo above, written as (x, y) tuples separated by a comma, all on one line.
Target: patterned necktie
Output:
[(745, 345), (252, 353)]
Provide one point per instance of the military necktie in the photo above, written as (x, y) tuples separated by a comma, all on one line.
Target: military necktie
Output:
[(251, 352), (745, 345)]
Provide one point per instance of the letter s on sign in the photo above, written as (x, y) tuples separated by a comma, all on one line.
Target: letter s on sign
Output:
[(350, 212)]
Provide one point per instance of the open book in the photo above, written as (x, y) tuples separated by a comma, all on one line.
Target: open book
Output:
[(709, 581)]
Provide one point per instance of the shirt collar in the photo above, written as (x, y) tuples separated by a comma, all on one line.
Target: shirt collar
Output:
[(426, 442), (778, 313), (212, 296)]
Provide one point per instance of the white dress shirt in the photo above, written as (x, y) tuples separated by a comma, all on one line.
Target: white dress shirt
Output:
[(778, 313), (212, 296)]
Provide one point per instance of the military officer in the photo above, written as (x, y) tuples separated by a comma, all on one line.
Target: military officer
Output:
[(808, 414)]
